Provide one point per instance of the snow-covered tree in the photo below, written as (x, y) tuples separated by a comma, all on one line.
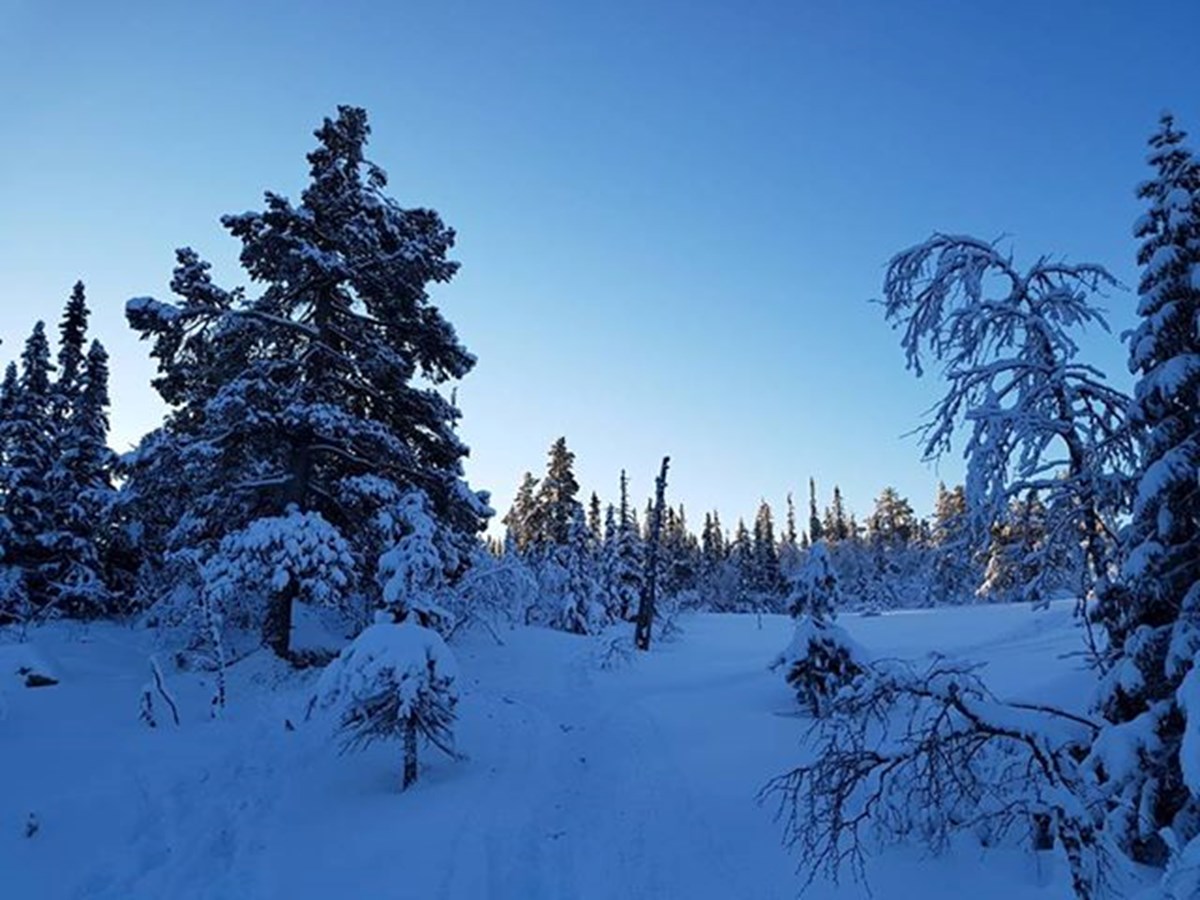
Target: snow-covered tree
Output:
[(821, 658), (556, 505), (82, 493), (766, 577), (330, 373), (1040, 420), (393, 682), (519, 520), (299, 555), (412, 574), (623, 564), (572, 595), (1149, 753), (27, 435)]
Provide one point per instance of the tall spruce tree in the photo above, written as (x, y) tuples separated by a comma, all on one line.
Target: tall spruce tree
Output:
[(555, 507), (519, 520), (816, 528), (82, 496), (72, 341), (1152, 613), (626, 582), (319, 393), (766, 578), (27, 434)]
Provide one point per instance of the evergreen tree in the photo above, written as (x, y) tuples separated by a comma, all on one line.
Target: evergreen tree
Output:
[(82, 496), (27, 437), (72, 332), (953, 575), (594, 523), (1147, 753), (627, 575), (320, 393), (835, 526), (816, 530), (520, 519), (789, 543), (556, 507), (740, 561), (893, 521), (766, 581), (712, 559), (821, 658)]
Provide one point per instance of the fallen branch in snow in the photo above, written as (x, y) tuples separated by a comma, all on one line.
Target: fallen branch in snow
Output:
[(159, 685), (904, 753)]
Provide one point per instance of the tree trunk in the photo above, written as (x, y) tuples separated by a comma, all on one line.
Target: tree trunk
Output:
[(645, 615), (410, 755), (277, 626)]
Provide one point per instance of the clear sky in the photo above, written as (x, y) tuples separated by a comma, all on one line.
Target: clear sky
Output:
[(671, 215)]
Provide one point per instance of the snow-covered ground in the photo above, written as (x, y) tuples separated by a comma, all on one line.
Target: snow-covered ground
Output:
[(580, 782)]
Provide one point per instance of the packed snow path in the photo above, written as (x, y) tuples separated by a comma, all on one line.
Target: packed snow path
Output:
[(636, 782)]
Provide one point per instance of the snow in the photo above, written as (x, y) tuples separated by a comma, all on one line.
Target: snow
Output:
[(634, 782)]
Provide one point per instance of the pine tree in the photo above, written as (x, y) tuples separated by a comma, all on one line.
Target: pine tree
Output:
[(320, 393), (1153, 612)]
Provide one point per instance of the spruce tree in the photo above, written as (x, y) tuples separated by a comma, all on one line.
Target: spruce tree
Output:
[(766, 579), (627, 574), (518, 521), (1152, 613), (555, 506), (816, 530), (81, 481), (595, 527), (72, 342), (28, 438)]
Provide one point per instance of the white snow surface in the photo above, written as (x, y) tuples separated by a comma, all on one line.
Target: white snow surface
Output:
[(579, 782)]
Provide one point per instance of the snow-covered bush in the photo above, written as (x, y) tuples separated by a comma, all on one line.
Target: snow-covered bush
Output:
[(821, 659), (394, 681), (257, 572)]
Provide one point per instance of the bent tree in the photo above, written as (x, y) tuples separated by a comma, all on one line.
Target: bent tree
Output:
[(1042, 424)]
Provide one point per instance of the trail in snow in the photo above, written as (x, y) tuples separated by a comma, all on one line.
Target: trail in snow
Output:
[(580, 783)]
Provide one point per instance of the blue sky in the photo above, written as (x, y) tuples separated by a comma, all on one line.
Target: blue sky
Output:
[(671, 216)]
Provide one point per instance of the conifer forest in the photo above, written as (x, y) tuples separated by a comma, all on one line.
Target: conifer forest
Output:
[(281, 646)]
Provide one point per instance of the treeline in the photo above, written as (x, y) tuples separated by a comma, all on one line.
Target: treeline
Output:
[(589, 559)]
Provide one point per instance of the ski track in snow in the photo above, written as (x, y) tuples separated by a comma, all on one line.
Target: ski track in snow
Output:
[(580, 784)]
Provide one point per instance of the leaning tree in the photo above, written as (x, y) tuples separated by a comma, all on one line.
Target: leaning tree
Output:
[(1041, 422)]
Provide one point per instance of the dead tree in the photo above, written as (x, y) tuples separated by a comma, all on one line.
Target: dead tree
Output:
[(645, 614)]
